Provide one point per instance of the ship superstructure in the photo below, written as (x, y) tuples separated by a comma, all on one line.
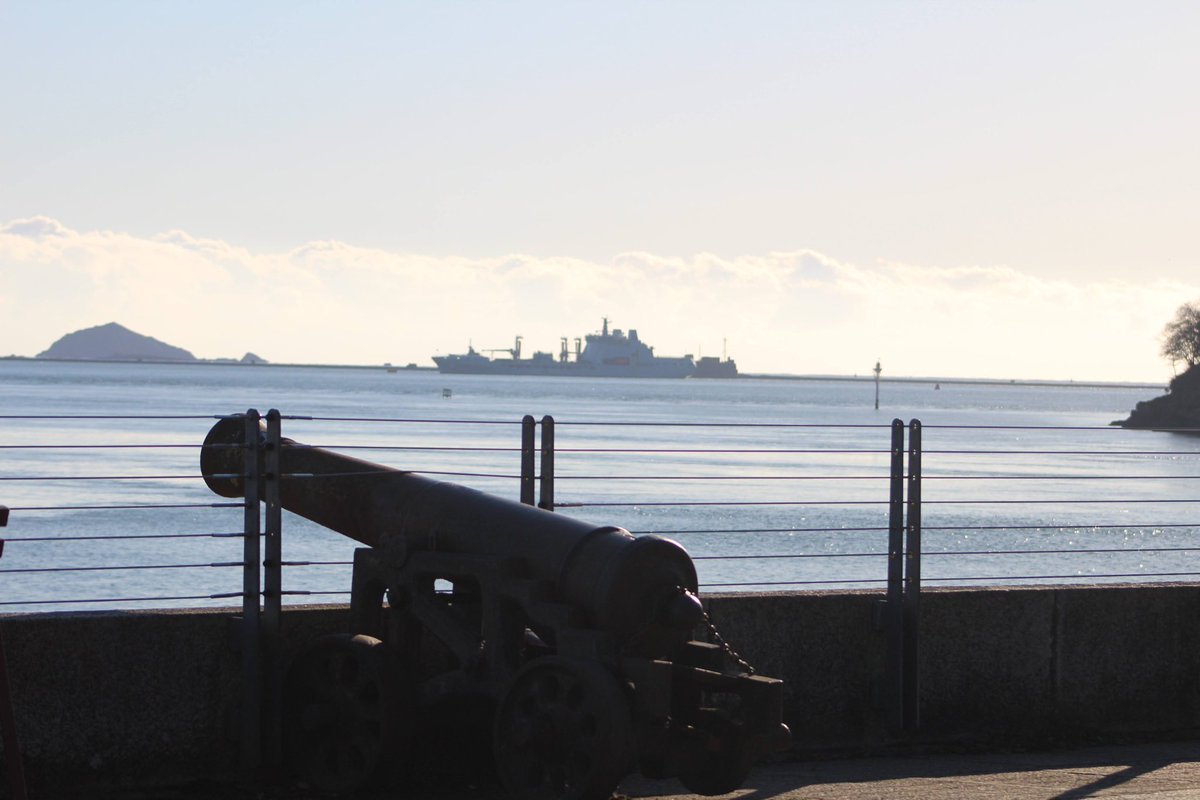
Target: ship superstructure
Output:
[(608, 354)]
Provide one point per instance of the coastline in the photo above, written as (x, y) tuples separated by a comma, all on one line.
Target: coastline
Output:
[(966, 381), (1087, 384)]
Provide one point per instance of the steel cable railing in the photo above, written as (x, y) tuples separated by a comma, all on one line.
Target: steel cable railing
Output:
[(766, 473), (1086, 514), (759, 505), (980, 506), (47, 537), (90, 551)]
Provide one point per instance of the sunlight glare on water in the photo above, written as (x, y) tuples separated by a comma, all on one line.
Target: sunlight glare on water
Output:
[(769, 484)]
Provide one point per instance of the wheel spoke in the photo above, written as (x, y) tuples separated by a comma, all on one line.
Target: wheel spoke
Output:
[(563, 732)]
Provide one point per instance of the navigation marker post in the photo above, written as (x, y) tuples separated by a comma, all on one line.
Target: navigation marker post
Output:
[(878, 369)]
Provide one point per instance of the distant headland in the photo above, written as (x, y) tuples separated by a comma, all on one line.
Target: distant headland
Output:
[(1178, 409), (114, 342)]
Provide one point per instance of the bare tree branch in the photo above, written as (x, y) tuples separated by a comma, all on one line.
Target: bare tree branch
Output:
[(1181, 336)]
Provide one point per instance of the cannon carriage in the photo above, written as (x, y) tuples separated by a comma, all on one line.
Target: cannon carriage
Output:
[(575, 640)]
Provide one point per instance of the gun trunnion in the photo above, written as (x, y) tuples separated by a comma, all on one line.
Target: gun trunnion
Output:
[(577, 639)]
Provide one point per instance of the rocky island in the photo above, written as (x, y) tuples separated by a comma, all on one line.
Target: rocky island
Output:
[(114, 342), (1178, 408)]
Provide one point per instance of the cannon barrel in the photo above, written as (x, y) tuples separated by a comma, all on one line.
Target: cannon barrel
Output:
[(626, 585)]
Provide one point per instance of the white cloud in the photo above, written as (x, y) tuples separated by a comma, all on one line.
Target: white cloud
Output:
[(35, 228), (798, 312)]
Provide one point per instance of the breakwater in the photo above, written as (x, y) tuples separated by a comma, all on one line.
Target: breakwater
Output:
[(150, 698)]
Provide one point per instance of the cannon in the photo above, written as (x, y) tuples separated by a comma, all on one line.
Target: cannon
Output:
[(572, 643)]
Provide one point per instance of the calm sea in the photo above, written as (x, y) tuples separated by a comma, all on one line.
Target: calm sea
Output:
[(769, 484)]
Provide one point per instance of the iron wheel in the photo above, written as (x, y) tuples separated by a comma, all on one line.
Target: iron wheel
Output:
[(563, 732), (339, 714)]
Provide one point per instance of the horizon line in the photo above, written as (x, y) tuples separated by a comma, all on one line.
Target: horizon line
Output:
[(1061, 382)]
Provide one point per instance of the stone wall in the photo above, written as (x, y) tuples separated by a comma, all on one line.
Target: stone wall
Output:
[(151, 697)]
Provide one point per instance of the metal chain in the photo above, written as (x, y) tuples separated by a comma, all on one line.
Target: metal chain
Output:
[(725, 646), (713, 633)]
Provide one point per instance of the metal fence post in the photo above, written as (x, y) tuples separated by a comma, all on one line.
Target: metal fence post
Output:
[(527, 459), (272, 667), (13, 760), (546, 483), (251, 664), (912, 583), (894, 609)]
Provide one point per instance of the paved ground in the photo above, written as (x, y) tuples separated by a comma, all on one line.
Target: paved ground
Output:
[(1166, 771)]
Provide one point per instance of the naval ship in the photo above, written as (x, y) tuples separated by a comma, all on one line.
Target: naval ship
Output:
[(607, 354)]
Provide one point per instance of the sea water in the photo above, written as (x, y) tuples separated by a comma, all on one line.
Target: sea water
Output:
[(770, 484)]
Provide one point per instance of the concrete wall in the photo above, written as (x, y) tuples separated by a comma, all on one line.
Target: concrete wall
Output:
[(1009, 667), (146, 697), (133, 697)]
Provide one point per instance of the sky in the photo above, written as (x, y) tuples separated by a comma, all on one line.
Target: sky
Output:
[(955, 189)]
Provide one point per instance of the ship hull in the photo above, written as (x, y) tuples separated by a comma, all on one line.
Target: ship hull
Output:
[(659, 368)]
